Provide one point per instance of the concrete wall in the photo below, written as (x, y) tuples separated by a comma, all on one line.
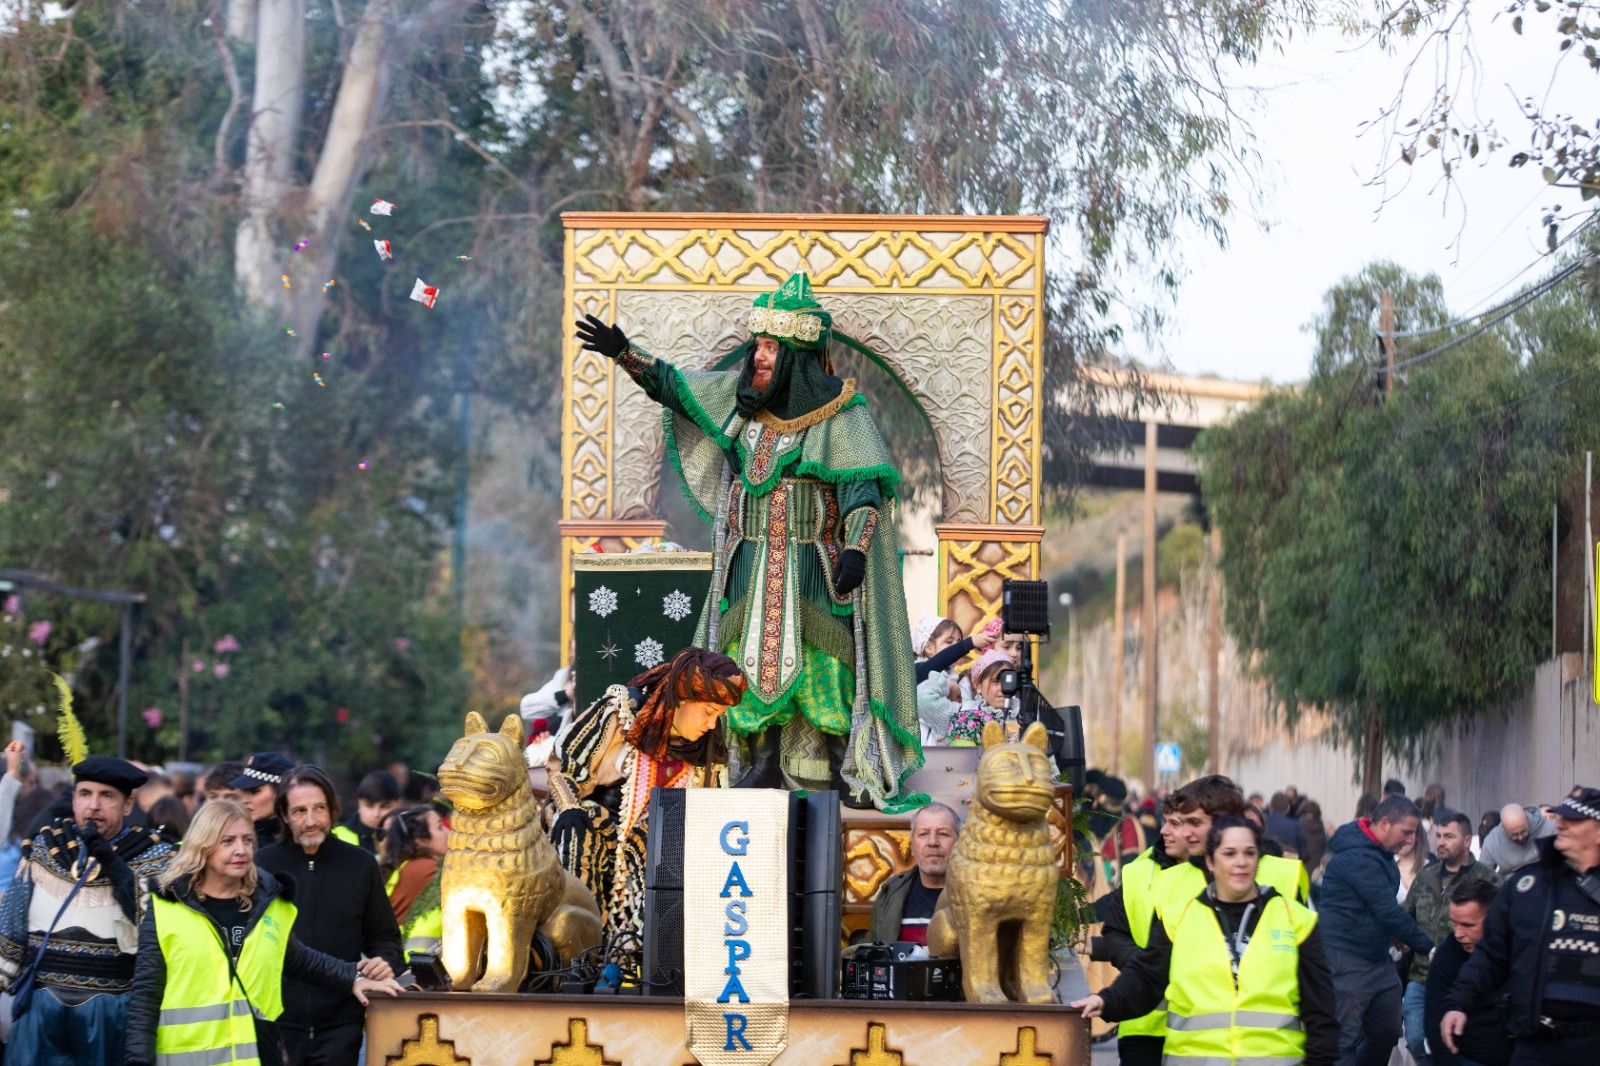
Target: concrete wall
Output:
[(1531, 750)]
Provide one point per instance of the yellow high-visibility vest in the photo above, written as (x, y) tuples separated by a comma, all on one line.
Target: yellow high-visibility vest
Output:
[(1139, 901), (1176, 885), (1288, 876), (423, 931), (1254, 1021), (205, 1017)]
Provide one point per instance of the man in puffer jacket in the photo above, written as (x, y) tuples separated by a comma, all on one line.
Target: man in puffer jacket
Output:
[(1360, 916)]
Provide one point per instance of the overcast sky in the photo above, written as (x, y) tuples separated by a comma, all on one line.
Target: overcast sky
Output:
[(1242, 310)]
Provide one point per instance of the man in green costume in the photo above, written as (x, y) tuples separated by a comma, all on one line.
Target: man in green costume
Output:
[(783, 458)]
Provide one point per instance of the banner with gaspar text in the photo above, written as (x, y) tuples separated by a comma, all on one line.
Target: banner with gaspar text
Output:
[(736, 925)]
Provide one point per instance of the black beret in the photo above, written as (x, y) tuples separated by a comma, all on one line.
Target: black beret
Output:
[(104, 770), (262, 768)]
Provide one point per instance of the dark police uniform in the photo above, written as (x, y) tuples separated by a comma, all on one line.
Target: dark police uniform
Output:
[(1543, 936)]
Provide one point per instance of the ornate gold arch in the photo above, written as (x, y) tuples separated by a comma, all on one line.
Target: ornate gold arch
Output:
[(954, 304)]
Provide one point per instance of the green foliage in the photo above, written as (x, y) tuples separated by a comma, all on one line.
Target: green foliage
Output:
[(1180, 553), (1390, 550), (143, 449)]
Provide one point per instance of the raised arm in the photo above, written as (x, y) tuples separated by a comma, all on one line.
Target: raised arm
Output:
[(659, 380)]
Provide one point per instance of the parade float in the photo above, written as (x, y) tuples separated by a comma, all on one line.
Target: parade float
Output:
[(751, 893)]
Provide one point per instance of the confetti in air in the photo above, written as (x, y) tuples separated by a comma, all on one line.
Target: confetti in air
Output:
[(363, 465), (424, 293), (327, 357), (290, 331), (285, 279), (301, 246), (463, 258), (385, 250), (330, 283), (382, 207), (277, 406), (318, 379), (363, 224)]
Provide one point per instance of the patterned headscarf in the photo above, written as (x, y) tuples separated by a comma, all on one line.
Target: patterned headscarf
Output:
[(692, 674)]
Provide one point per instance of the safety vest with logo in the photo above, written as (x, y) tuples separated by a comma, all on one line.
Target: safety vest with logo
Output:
[(1139, 902), (1215, 1019), (1176, 885), (206, 1016)]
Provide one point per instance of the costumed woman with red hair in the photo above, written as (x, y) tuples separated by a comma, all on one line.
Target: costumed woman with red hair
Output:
[(657, 731)]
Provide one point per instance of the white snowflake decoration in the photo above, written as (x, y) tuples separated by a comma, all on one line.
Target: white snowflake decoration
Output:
[(676, 606), (648, 652), (602, 601)]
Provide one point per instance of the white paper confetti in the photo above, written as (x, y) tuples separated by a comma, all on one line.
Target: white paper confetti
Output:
[(381, 207), (424, 293)]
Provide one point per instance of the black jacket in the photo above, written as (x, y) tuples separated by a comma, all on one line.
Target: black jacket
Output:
[(1484, 1040), (346, 914), (1511, 953), (329, 975), (944, 660), (1142, 986)]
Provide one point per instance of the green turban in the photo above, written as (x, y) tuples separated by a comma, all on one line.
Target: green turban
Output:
[(792, 315)]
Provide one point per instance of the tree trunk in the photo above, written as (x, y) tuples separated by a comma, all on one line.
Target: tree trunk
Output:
[(241, 21), (271, 148), (1372, 752)]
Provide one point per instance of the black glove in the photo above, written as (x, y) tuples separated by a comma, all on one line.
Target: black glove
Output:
[(98, 847), (596, 336), (851, 571)]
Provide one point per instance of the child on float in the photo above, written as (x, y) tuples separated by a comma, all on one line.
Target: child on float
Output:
[(940, 646)]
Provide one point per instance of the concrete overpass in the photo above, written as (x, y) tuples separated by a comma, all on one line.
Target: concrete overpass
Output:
[(1156, 457), (1192, 404)]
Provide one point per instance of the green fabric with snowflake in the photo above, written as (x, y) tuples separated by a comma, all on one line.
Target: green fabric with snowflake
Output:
[(630, 618)]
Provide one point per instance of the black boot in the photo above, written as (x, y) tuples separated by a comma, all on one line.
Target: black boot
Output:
[(858, 800), (764, 770)]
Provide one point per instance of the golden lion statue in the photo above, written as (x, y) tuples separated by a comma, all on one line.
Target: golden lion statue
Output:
[(502, 881), (1000, 889)]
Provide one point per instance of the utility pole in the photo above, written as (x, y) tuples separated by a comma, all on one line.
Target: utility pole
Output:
[(1372, 735), (1214, 655), (1119, 646), (1148, 613)]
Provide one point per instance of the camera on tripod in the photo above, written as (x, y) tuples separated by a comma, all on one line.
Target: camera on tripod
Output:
[(1025, 612)]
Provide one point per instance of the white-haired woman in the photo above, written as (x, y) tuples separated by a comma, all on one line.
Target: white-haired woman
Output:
[(214, 948)]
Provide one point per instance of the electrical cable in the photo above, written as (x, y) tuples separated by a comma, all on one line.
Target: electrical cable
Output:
[(1513, 301), (1511, 307)]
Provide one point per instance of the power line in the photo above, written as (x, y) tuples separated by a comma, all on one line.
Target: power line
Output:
[(1505, 311), (1466, 319)]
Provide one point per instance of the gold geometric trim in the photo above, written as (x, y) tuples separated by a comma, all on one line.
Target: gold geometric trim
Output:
[(1025, 1055), (929, 223), (877, 1052), (577, 1051), (426, 1049)]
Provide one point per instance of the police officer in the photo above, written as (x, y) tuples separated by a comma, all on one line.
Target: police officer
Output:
[(1542, 942)]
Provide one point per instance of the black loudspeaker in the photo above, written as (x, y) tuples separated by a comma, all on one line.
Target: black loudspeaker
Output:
[(816, 875), (1025, 607), (662, 966), (1066, 743)]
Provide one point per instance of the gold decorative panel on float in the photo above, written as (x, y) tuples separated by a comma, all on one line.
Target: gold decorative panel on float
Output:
[(465, 1029), (952, 304)]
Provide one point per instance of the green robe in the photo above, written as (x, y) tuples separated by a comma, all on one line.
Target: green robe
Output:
[(806, 490)]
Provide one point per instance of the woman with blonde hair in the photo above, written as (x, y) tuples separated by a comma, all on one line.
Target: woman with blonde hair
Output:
[(214, 948)]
